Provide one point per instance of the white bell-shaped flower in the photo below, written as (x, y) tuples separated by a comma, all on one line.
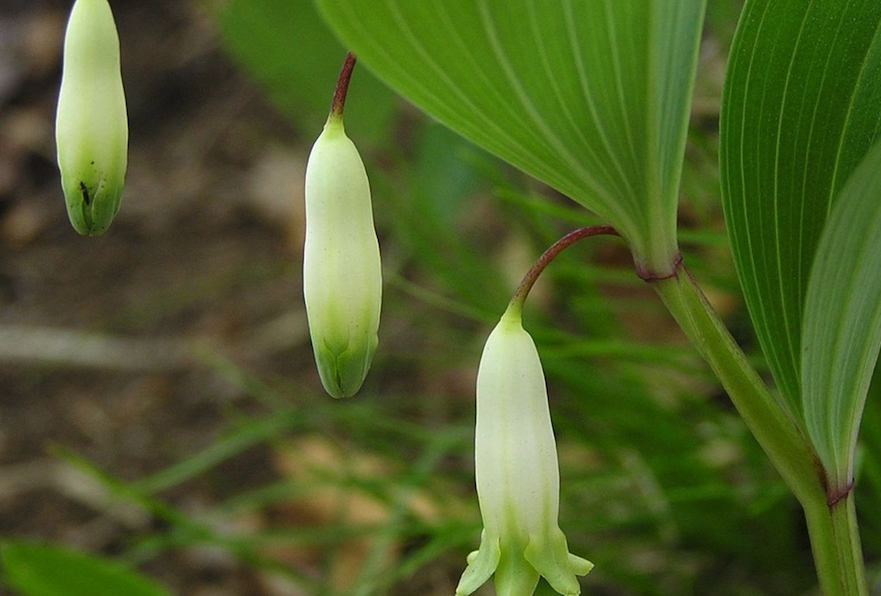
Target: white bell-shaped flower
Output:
[(518, 477), (91, 125), (342, 277)]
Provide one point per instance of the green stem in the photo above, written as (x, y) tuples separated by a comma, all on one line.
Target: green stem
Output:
[(835, 540), (833, 529)]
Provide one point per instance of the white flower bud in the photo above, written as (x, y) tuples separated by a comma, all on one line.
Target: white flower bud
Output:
[(518, 478), (342, 277), (91, 128)]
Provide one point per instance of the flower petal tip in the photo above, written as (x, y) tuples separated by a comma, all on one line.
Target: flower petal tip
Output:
[(581, 566), (482, 564), (550, 556)]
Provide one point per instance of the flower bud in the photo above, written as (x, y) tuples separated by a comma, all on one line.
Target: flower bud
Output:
[(518, 478), (91, 127), (342, 277)]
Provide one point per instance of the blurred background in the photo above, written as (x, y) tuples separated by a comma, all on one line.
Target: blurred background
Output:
[(159, 403)]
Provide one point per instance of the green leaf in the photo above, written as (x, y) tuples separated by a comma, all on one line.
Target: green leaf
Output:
[(842, 320), (801, 106), (43, 570), (291, 52), (590, 97)]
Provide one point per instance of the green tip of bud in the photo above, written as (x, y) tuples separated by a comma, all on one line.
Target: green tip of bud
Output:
[(91, 126), (91, 208), (343, 373)]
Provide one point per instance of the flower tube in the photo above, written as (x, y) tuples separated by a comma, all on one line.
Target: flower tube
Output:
[(342, 276), (518, 478), (91, 125)]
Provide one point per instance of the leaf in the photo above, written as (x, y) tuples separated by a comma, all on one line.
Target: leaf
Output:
[(801, 106), (43, 570), (842, 320), (592, 98), (290, 51)]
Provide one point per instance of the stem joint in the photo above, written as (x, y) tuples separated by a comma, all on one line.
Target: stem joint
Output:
[(835, 495)]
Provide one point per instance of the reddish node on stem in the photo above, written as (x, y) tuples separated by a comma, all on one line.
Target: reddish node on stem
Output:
[(838, 495), (650, 277)]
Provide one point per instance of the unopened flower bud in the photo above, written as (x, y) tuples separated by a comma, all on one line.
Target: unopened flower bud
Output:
[(342, 277), (518, 478), (91, 128)]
